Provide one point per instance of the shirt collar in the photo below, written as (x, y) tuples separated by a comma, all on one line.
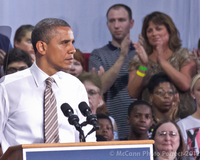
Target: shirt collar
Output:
[(40, 76), (110, 45)]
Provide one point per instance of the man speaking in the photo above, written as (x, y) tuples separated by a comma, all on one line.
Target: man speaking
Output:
[(30, 100)]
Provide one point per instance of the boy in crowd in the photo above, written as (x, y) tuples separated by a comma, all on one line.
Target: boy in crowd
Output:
[(16, 60), (105, 127), (140, 120)]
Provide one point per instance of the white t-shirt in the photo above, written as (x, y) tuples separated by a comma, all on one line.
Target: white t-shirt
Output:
[(190, 128)]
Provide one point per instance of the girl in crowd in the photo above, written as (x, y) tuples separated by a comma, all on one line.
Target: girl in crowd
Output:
[(162, 53), (78, 65), (190, 126)]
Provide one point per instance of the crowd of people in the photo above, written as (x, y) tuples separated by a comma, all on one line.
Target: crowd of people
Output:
[(138, 91)]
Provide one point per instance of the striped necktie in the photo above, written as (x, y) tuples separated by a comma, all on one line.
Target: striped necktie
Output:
[(50, 114)]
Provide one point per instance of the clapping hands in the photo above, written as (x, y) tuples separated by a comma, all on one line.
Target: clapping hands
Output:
[(140, 51)]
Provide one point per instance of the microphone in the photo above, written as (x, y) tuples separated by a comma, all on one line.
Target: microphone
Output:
[(73, 119), (68, 112), (86, 111)]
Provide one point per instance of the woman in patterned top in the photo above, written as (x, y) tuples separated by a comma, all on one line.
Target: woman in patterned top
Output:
[(162, 53)]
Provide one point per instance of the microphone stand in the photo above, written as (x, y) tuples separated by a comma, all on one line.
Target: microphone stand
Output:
[(81, 135), (78, 127), (95, 127)]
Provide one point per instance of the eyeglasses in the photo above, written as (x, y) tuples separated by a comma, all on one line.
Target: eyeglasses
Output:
[(13, 69), (162, 93), (92, 92), (164, 133)]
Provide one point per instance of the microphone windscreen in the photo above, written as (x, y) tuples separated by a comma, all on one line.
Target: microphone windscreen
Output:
[(84, 107), (66, 109)]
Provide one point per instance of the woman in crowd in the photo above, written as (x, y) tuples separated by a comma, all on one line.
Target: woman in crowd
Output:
[(92, 83), (190, 125), (163, 98), (78, 65), (169, 144), (162, 53), (22, 39)]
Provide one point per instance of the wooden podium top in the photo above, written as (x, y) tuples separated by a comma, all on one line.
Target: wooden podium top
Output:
[(16, 151)]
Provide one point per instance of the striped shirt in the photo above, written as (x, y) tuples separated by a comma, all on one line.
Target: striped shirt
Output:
[(117, 98)]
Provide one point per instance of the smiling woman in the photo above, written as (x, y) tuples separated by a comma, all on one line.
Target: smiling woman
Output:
[(162, 52)]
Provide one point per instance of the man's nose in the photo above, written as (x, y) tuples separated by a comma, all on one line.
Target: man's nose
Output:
[(117, 24), (72, 49), (142, 119)]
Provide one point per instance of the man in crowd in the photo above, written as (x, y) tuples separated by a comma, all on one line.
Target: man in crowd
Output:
[(140, 120), (30, 100), (114, 58)]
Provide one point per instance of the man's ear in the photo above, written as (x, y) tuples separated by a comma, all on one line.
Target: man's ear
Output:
[(41, 47), (107, 24), (128, 120), (131, 23)]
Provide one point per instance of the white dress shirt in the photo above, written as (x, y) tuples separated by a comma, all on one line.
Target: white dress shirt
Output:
[(21, 107)]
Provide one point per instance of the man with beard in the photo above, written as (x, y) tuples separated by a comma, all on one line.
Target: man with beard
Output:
[(114, 58)]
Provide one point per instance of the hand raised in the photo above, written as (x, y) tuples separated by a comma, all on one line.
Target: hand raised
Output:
[(125, 45), (141, 54), (141, 41), (100, 71), (196, 54), (159, 51)]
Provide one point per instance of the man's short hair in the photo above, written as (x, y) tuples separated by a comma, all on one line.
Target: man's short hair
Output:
[(103, 116), (156, 80), (21, 32), (138, 102), (17, 55), (46, 29), (117, 6)]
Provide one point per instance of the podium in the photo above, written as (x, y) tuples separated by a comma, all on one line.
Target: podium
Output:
[(112, 150)]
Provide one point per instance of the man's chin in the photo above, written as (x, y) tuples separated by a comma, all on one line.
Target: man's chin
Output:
[(118, 38)]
